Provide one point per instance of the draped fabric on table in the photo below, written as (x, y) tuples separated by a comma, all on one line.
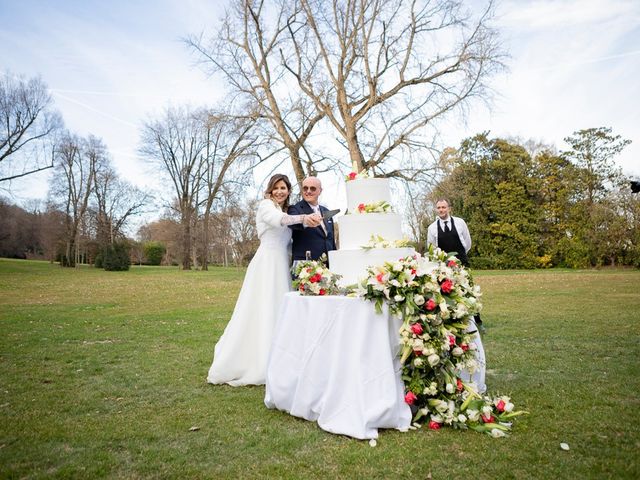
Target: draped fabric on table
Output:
[(335, 361)]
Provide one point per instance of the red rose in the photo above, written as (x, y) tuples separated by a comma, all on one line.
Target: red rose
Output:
[(459, 384), (500, 406), (322, 291), (413, 271), (452, 340), (417, 353), (410, 398), (352, 175), (446, 286), (361, 207), (379, 277), (433, 425), (431, 304), (488, 418), (416, 328), (452, 263), (464, 347), (301, 288)]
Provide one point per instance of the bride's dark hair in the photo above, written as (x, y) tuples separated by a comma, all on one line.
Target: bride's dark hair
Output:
[(271, 185)]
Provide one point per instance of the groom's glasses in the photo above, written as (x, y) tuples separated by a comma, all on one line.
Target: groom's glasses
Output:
[(309, 189)]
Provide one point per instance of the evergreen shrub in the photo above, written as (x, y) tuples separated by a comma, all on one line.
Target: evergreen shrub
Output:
[(116, 258)]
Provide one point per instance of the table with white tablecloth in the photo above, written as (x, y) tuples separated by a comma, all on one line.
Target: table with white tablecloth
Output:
[(334, 360)]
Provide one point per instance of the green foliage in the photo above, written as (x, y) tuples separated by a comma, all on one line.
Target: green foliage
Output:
[(99, 260), (572, 210), (154, 252), (115, 257)]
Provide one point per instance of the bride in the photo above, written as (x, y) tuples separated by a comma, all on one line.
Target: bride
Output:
[(240, 356)]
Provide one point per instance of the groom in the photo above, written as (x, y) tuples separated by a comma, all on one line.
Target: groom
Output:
[(316, 240)]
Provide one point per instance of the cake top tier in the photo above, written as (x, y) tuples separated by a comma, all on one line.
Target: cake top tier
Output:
[(367, 190)]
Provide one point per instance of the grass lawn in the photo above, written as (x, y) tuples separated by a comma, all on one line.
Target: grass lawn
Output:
[(102, 374)]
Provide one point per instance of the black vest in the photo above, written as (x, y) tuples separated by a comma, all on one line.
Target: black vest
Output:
[(450, 242)]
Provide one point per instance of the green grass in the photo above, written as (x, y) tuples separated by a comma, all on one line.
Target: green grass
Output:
[(102, 374)]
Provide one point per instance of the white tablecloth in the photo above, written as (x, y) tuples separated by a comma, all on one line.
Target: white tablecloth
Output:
[(334, 360)]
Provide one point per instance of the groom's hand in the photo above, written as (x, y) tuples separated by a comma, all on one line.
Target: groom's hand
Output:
[(312, 220)]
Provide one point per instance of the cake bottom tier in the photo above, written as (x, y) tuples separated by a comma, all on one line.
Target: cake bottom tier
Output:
[(352, 264)]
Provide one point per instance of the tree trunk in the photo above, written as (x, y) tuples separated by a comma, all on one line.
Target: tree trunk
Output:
[(186, 238)]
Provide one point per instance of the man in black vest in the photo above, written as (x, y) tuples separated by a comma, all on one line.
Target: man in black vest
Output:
[(451, 234)]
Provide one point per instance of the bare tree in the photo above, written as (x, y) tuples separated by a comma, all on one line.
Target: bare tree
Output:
[(247, 50), (71, 186), (116, 201), (386, 70), (176, 143), (228, 141), (27, 121)]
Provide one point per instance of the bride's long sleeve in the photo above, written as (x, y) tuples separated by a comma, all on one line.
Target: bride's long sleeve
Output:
[(287, 219)]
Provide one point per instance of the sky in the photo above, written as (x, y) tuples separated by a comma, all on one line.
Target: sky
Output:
[(572, 64)]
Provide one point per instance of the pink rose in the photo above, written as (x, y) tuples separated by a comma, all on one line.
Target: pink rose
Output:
[(410, 398), (380, 278), (431, 304), (488, 418), (500, 406), (464, 347), (446, 286), (433, 425), (416, 328), (352, 175), (452, 340)]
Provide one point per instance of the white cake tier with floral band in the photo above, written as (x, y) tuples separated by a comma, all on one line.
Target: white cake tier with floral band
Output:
[(370, 234)]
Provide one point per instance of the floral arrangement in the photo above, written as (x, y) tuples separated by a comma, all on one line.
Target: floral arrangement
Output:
[(356, 175), (436, 299), (314, 278), (378, 207), (376, 241)]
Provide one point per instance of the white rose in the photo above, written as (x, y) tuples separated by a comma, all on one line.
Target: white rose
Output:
[(462, 418), (398, 298), (417, 362), (487, 410), (433, 359), (419, 300), (397, 267), (457, 352), (508, 407), (497, 433), (474, 415), (450, 388)]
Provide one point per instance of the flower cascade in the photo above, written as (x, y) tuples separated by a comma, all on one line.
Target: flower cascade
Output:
[(436, 299), (314, 278)]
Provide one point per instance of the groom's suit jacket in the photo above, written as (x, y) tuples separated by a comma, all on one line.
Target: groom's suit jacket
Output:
[(311, 239)]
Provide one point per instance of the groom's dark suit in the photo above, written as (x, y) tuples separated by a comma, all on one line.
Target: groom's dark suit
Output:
[(312, 239)]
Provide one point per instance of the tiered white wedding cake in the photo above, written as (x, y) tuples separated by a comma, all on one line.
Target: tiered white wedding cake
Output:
[(356, 229)]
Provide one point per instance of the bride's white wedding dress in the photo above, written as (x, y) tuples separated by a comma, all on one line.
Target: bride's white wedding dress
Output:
[(240, 356)]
